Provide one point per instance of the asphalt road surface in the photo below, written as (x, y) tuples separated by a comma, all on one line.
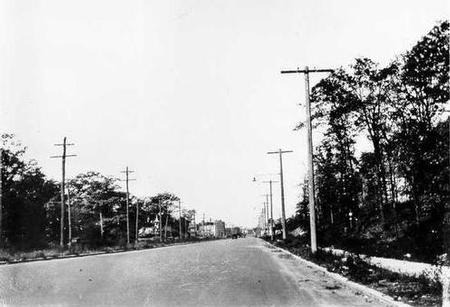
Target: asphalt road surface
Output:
[(243, 272)]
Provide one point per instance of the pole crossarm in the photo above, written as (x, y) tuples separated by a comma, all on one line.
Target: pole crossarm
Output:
[(63, 156), (302, 71), (278, 152)]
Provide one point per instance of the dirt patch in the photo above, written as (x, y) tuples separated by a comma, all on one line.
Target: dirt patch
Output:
[(285, 256), (416, 291), (333, 287)]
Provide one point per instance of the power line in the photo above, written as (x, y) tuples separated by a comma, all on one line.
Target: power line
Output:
[(312, 206)]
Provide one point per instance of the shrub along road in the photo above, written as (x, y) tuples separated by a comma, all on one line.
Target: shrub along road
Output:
[(217, 273)]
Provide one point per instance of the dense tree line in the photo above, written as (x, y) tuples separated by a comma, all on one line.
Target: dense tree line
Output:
[(396, 194), (31, 206)]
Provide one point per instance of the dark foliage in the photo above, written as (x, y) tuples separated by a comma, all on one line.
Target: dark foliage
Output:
[(393, 199)]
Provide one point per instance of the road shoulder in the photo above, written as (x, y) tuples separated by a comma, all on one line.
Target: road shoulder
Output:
[(356, 288)]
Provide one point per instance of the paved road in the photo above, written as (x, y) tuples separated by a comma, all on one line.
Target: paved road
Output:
[(243, 272)]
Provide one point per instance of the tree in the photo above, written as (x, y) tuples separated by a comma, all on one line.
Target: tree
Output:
[(337, 181), (97, 208), (404, 180), (165, 206), (25, 192), (422, 91)]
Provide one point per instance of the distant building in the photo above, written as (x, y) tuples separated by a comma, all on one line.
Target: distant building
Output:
[(219, 229)]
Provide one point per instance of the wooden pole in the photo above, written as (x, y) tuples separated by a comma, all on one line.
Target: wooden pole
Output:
[(283, 213), (137, 223), (179, 215), (312, 203), (69, 217), (1, 198), (127, 180), (271, 211), (63, 167), (312, 211), (61, 238), (160, 221), (127, 204), (195, 226)]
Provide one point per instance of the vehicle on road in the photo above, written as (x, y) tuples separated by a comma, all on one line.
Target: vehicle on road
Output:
[(236, 233)]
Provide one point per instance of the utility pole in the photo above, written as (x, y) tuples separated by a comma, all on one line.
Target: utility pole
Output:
[(271, 223), (185, 228), (179, 214), (203, 225), (266, 212), (127, 179), (1, 198), (283, 213), (271, 207), (63, 159), (160, 222), (195, 226), (137, 223), (264, 217), (69, 219), (312, 206)]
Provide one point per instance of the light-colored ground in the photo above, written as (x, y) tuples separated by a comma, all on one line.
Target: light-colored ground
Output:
[(243, 272)]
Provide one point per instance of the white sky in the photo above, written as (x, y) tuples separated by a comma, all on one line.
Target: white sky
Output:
[(186, 93)]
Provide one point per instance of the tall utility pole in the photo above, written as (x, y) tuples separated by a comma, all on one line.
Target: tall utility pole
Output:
[(266, 212), (203, 225), (69, 219), (1, 198), (195, 226), (179, 214), (160, 222), (283, 213), (136, 231), (63, 159), (271, 207), (312, 206), (127, 179), (263, 222), (186, 227), (271, 223)]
